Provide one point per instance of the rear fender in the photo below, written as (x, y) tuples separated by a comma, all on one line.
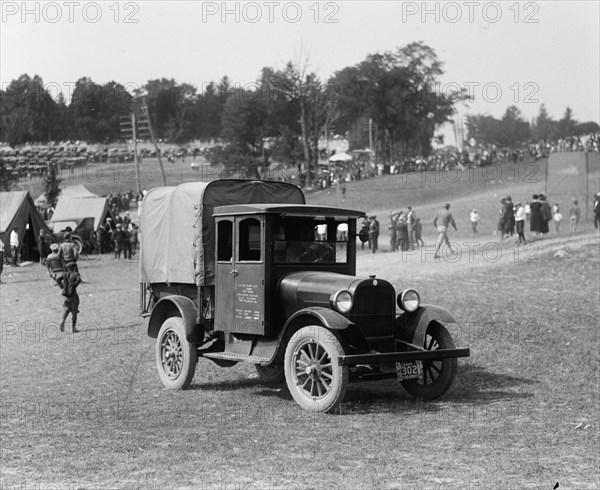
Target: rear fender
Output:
[(344, 329), (179, 306), (413, 326)]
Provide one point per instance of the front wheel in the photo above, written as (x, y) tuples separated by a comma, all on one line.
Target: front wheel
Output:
[(175, 357), (313, 372), (437, 375)]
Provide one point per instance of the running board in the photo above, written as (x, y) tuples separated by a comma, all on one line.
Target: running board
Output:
[(232, 356)]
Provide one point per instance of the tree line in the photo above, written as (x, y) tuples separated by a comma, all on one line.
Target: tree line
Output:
[(387, 101)]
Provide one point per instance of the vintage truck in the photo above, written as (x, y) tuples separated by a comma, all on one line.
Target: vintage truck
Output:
[(239, 270)]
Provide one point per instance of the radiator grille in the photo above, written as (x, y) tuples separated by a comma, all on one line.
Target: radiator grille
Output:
[(374, 309)]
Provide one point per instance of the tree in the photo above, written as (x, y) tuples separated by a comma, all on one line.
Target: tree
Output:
[(514, 130), (566, 126), (96, 110), (27, 111), (52, 182), (398, 92), (545, 127)]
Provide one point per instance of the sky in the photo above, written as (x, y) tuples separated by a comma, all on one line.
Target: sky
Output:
[(503, 53)]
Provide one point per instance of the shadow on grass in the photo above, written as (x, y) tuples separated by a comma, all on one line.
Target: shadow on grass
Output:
[(473, 385)]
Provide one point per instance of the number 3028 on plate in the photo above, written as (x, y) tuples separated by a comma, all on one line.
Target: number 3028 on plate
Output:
[(409, 370)]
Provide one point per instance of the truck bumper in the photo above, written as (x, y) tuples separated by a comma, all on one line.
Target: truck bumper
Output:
[(377, 358)]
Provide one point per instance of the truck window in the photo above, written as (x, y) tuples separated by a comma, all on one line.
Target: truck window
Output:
[(250, 243), (225, 241)]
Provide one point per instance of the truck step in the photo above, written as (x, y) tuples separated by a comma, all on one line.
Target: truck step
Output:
[(232, 356)]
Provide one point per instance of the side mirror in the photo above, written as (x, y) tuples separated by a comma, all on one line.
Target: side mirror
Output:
[(363, 235)]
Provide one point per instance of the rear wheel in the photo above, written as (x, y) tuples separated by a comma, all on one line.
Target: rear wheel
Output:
[(437, 375), (272, 374), (175, 357), (313, 372)]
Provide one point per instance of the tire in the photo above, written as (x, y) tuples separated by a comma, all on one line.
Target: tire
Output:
[(271, 374), (175, 357), (315, 349), (437, 375)]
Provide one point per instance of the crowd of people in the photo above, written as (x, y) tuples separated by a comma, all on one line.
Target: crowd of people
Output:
[(540, 214)]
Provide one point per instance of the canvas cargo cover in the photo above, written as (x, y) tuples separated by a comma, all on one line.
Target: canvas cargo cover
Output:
[(178, 230)]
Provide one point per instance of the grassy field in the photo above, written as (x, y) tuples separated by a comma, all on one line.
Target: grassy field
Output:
[(88, 410)]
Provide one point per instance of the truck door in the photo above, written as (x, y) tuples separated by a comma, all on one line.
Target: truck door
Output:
[(240, 295), (225, 274), (249, 298)]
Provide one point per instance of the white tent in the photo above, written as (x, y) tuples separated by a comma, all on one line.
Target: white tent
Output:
[(72, 208), (78, 191), (340, 157)]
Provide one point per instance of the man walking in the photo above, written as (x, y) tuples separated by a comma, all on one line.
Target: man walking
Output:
[(441, 221), (71, 280), (55, 266)]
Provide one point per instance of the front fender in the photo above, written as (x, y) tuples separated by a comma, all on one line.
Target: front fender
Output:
[(415, 324), (174, 305), (315, 315), (327, 317)]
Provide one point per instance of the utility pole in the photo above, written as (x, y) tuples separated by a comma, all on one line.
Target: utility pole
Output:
[(135, 154), (162, 170)]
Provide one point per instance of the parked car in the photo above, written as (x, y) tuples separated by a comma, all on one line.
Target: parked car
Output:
[(82, 232), (234, 271)]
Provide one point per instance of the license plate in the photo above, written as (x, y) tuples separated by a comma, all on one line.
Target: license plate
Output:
[(409, 370)]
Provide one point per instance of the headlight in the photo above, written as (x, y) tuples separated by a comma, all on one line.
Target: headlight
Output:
[(409, 300), (342, 301)]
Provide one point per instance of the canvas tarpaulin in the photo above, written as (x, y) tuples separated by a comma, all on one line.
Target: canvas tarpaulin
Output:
[(178, 230), (572, 175), (72, 208)]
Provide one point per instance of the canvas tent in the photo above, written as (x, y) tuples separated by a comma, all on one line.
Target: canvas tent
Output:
[(340, 157), (17, 210), (78, 191), (72, 208), (178, 230)]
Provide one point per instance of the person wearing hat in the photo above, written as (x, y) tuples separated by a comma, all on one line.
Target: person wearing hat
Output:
[(68, 251), (545, 214), (118, 238), (441, 221), (535, 208), (55, 266), (108, 230), (373, 233), (71, 280)]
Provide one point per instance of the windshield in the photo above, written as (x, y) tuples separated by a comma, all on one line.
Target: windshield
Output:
[(310, 240)]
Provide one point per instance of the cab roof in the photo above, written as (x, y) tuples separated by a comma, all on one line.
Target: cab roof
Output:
[(306, 210)]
